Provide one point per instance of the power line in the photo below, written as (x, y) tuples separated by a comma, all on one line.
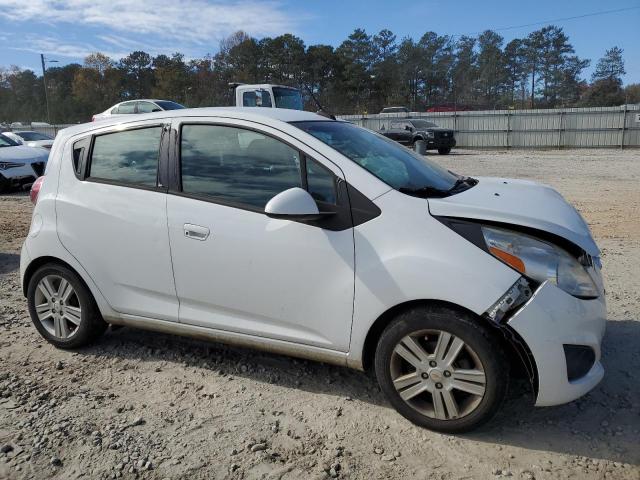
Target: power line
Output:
[(544, 22)]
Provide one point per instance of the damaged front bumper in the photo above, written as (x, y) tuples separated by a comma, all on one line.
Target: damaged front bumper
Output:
[(563, 334)]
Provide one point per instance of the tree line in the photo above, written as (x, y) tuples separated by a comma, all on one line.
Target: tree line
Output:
[(362, 75)]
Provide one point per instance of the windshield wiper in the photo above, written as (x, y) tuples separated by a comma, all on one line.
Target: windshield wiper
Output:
[(433, 192), (468, 181), (425, 192)]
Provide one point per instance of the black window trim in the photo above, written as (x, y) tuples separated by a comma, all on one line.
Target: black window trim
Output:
[(162, 165), (176, 182)]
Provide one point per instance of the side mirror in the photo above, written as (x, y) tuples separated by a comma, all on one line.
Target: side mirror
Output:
[(293, 204), (408, 127)]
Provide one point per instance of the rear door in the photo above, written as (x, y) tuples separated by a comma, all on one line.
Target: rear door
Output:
[(238, 270), (111, 216)]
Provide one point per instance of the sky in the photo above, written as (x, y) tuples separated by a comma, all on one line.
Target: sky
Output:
[(68, 30)]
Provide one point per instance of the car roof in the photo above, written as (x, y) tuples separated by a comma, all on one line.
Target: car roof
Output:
[(144, 100), (264, 85), (255, 114)]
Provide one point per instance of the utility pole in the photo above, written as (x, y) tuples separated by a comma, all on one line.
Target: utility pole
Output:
[(44, 80)]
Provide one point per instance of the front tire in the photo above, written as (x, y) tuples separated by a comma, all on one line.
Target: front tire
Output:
[(444, 151), (62, 308), (441, 369)]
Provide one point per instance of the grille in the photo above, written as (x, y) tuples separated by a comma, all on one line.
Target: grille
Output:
[(38, 167)]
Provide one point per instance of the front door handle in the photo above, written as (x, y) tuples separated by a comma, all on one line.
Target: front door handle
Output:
[(197, 232)]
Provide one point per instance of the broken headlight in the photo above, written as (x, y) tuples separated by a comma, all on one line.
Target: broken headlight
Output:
[(540, 261)]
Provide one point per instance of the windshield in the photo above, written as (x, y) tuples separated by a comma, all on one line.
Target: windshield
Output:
[(287, 98), (392, 163), (167, 105), (420, 124), (7, 142), (33, 136)]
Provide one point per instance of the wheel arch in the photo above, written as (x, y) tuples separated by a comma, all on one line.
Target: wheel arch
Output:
[(44, 260), (514, 352)]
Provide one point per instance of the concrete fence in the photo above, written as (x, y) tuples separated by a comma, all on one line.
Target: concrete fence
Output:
[(552, 128)]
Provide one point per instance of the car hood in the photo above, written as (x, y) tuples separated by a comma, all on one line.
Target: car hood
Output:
[(435, 129), (39, 143), (22, 153), (518, 202)]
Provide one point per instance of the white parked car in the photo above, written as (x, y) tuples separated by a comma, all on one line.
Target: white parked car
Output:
[(132, 107), (284, 230), (20, 165), (31, 138)]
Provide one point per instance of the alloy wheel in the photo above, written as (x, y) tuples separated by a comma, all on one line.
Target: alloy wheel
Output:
[(438, 374), (58, 306)]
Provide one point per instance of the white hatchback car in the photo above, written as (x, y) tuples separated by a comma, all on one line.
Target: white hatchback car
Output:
[(287, 231)]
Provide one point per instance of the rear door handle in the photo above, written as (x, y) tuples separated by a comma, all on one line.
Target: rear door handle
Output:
[(197, 232)]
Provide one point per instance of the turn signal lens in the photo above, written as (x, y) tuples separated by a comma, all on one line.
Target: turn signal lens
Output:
[(509, 259)]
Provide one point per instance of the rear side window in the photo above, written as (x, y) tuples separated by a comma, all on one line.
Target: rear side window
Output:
[(126, 108), (129, 157), (236, 166)]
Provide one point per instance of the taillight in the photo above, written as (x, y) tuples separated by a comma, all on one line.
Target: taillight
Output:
[(35, 189)]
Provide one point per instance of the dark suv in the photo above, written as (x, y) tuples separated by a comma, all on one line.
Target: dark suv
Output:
[(409, 130)]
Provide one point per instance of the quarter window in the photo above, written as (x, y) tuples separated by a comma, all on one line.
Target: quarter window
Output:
[(320, 183), (129, 157), (238, 166)]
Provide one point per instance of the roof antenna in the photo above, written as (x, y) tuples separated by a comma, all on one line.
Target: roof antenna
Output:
[(321, 111)]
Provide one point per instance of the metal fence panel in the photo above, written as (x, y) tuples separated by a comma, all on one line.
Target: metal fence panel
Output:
[(552, 128)]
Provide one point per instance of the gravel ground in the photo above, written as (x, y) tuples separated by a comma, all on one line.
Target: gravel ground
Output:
[(144, 405)]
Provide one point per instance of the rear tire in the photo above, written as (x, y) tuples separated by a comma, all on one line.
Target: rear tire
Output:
[(62, 308), (457, 380), (444, 151)]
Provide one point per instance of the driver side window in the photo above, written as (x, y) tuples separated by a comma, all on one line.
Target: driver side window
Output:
[(246, 168), (236, 166)]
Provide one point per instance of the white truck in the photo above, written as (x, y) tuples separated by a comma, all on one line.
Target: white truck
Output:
[(267, 95)]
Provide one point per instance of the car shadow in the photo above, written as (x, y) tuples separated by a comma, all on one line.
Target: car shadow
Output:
[(603, 424), (9, 262)]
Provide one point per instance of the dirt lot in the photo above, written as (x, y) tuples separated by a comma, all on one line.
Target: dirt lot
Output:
[(142, 405)]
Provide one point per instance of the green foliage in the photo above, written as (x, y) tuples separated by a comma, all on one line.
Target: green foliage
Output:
[(363, 75)]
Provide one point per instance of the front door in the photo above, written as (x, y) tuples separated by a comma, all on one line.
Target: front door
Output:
[(237, 269)]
